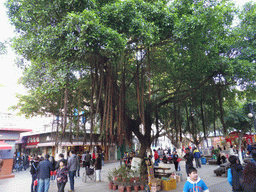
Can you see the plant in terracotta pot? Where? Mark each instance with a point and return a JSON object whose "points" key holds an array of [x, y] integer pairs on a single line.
{"points": [[121, 184], [110, 179], [128, 182], [136, 186], [115, 174]]}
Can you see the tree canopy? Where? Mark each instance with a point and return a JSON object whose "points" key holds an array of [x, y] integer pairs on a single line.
{"points": [[130, 63]]}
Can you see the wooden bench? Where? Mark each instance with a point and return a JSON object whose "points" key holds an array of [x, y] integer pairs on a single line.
{"points": [[223, 169], [212, 162]]}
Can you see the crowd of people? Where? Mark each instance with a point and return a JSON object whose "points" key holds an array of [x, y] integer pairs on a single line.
{"points": [[243, 178], [45, 169]]}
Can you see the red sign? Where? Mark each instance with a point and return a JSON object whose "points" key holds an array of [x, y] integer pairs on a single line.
{"points": [[33, 140]]}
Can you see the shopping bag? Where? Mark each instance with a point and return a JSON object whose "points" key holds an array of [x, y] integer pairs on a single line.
{"points": [[35, 182]]}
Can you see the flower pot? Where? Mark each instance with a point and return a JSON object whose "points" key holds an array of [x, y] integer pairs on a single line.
{"points": [[128, 188], [110, 185], [117, 177], [142, 187], [114, 186], [136, 188], [121, 188]]}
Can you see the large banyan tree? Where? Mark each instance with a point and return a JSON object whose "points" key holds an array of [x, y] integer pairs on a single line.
{"points": [[123, 60]]}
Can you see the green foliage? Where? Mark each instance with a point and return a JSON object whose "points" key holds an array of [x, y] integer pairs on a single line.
{"points": [[3, 49], [237, 118], [167, 63]]}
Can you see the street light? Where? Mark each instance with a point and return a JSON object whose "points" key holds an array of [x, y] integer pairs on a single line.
{"points": [[252, 114]]}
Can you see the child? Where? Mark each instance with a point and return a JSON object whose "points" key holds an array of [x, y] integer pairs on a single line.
{"points": [[62, 177], [235, 174], [194, 183]]}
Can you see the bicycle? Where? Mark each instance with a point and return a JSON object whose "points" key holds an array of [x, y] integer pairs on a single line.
{"points": [[90, 173]]}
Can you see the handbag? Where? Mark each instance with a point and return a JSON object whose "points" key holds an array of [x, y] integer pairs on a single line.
{"points": [[55, 172], [51, 173], [179, 159], [35, 182]]}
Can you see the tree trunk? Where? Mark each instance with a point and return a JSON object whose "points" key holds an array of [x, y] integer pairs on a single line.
{"points": [[65, 109], [221, 111], [202, 116], [239, 146]]}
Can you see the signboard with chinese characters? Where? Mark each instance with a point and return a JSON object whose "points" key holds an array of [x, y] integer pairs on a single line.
{"points": [[33, 140]]}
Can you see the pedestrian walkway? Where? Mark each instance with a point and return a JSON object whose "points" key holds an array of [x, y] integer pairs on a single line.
{"points": [[22, 181]]}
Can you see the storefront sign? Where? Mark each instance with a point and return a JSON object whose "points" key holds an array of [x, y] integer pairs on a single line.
{"points": [[33, 140]]}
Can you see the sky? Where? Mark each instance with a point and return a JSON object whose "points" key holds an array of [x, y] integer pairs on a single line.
{"points": [[9, 73]]}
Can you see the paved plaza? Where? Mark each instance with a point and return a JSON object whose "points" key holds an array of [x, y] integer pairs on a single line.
{"points": [[22, 181]]}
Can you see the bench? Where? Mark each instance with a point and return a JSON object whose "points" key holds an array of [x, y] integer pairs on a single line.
{"points": [[212, 162]]}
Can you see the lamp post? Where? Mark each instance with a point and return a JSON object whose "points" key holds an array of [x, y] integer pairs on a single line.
{"points": [[252, 115]]}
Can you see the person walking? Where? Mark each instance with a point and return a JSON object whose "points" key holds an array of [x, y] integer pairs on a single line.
{"points": [[156, 158], [62, 175], [189, 159], [78, 167], [197, 157], [249, 177], [93, 158], [83, 158], [98, 165], [53, 173], [61, 158], [235, 174], [87, 160], [175, 160], [33, 171], [43, 173], [102, 157], [72, 167]]}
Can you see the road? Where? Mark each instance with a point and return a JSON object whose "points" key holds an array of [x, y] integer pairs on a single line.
{"points": [[22, 181]]}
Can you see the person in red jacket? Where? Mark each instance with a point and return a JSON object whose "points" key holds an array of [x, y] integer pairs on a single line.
{"points": [[93, 157], [156, 157]]}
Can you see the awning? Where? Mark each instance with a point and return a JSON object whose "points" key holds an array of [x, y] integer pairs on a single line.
{"points": [[49, 144], [30, 146], [5, 146], [71, 144]]}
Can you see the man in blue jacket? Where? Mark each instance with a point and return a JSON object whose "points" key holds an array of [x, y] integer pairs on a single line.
{"points": [[43, 174], [197, 157]]}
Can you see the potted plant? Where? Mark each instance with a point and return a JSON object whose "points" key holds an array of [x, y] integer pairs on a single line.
{"points": [[110, 179], [115, 174], [136, 186]]}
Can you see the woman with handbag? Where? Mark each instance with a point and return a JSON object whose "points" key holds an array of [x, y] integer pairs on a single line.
{"points": [[33, 170], [62, 176]]}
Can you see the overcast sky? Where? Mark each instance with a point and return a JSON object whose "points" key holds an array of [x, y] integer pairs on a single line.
{"points": [[9, 73]]}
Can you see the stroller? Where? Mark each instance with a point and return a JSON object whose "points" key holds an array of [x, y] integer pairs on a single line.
{"points": [[88, 173]]}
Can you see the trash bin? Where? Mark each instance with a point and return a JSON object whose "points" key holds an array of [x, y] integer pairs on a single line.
{"points": [[203, 160]]}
